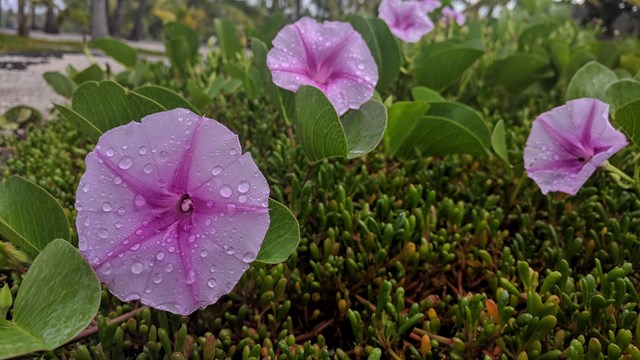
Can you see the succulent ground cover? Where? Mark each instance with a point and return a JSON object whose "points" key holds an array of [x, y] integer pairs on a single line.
{"points": [[410, 251]]}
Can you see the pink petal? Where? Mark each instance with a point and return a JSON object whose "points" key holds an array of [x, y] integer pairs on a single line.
{"points": [[407, 20], [568, 143], [430, 5], [323, 55], [130, 224]]}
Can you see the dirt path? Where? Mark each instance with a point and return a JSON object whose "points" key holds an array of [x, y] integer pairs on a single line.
{"points": [[27, 87]]}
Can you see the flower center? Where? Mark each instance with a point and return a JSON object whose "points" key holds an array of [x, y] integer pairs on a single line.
{"points": [[186, 204]]}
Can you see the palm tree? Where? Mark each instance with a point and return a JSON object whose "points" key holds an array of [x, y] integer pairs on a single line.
{"points": [[99, 23]]}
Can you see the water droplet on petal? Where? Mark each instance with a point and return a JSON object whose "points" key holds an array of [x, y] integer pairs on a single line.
{"points": [[204, 253], [142, 150], [118, 225], [86, 187], [148, 168], [212, 269], [242, 199], [225, 191], [168, 268], [103, 233], [106, 207], [172, 249], [121, 211], [117, 180], [211, 283], [233, 152], [148, 289], [160, 256], [110, 152], [106, 268], [249, 257], [157, 278], [243, 186], [162, 156], [231, 208], [216, 170], [125, 163], [139, 200], [191, 277], [137, 267], [135, 247]]}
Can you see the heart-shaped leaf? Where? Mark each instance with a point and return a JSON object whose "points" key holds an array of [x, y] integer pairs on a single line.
{"points": [[364, 128], [499, 141], [60, 83], [622, 92], [50, 309], [590, 81], [520, 70], [441, 64], [283, 235], [167, 98], [119, 51], [421, 93], [627, 117], [282, 99], [29, 216]]}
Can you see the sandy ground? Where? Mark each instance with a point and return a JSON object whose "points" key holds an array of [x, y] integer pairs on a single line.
{"points": [[27, 87]]}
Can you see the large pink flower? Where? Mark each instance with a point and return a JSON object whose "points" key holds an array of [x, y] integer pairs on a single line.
{"points": [[568, 143], [330, 56], [170, 211], [406, 19]]}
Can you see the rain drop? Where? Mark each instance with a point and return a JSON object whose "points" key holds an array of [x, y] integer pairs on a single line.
{"points": [[82, 245], [139, 232], [225, 191], [139, 200], [137, 267], [162, 156], [242, 199], [172, 249], [118, 225], [160, 256], [147, 290], [148, 168], [106, 268], [106, 207], [233, 152], [110, 152], [231, 208], [168, 268], [142, 150], [249, 257], [211, 283], [103, 233], [125, 163], [191, 277], [87, 221], [157, 278], [192, 238], [117, 180], [135, 247], [121, 211], [216, 170], [86, 187], [243, 187], [204, 253]]}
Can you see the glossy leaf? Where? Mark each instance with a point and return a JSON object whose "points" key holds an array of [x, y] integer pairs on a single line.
{"points": [[317, 125], [282, 237], [421, 93], [383, 46], [403, 115], [282, 99], [49, 309], [441, 64], [627, 119], [590, 81], [92, 73], [228, 38], [364, 128], [119, 51], [167, 98], [520, 70], [60, 83], [499, 141], [622, 92], [29, 216], [466, 117]]}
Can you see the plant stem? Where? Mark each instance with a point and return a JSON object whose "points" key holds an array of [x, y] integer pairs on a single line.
{"points": [[94, 329], [614, 170]]}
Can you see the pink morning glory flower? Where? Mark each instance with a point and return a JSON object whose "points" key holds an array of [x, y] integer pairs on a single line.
{"points": [[449, 15], [170, 211], [407, 20], [568, 143], [429, 5], [330, 56]]}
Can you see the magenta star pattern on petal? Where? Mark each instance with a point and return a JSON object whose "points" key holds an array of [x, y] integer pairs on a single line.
{"points": [[430, 5], [449, 15], [170, 211], [331, 56], [568, 143], [407, 20]]}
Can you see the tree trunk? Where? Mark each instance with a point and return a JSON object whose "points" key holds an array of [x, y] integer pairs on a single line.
{"points": [[136, 32], [99, 23], [23, 19], [115, 22], [51, 23], [32, 15]]}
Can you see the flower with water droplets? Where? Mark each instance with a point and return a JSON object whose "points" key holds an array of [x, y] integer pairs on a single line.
{"points": [[407, 20], [429, 5], [568, 143], [330, 56], [170, 211], [449, 15]]}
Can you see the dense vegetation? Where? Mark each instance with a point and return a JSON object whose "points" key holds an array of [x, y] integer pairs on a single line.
{"points": [[456, 256]]}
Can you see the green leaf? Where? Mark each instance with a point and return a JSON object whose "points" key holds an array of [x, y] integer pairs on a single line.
{"points": [[499, 141], [29, 216], [435, 133], [421, 93], [107, 105], [383, 46], [622, 92], [441, 64], [590, 81], [60, 83], [181, 43], [84, 125], [364, 128], [282, 237], [92, 73], [119, 51], [167, 98], [520, 70], [318, 127], [228, 38], [200, 98], [627, 117], [49, 309]]}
